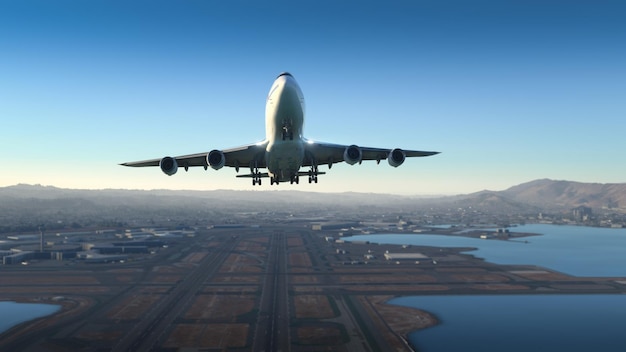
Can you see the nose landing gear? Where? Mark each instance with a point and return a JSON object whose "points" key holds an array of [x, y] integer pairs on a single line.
{"points": [[287, 130]]}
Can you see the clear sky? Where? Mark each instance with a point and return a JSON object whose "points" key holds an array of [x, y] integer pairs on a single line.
{"points": [[508, 91]]}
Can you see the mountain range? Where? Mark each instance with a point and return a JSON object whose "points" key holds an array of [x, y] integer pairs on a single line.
{"points": [[537, 195]]}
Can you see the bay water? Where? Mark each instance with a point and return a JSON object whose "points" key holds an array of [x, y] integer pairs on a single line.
{"points": [[556, 322]]}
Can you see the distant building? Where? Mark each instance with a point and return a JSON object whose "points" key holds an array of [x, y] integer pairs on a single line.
{"points": [[405, 256], [581, 213], [333, 225]]}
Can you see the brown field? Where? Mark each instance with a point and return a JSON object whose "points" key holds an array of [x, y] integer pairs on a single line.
{"points": [[54, 290], [253, 245], [542, 275], [356, 269], [301, 270], [319, 335], [586, 287], [231, 289], [308, 289], [498, 287], [402, 320], [154, 289], [241, 263], [46, 279], [124, 279], [166, 279], [264, 239], [241, 259], [299, 259], [295, 242], [248, 279], [208, 336], [378, 279], [132, 307], [313, 307], [304, 279], [480, 277], [126, 270], [195, 257], [460, 270], [223, 308], [169, 269], [99, 335], [396, 288]]}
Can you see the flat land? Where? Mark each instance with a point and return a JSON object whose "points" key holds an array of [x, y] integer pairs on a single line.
{"points": [[276, 287]]}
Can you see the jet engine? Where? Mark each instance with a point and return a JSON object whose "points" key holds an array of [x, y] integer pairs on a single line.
{"points": [[168, 165], [216, 159], [352, 155], [396, 157]]}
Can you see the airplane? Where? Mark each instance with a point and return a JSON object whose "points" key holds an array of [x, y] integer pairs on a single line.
{"points": [[284, 151]]}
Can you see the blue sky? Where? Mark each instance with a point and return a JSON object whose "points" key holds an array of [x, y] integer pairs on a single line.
{"points": [[508, 91]]}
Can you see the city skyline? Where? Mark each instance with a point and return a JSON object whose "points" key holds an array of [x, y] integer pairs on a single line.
{"points": [[508, 92]]}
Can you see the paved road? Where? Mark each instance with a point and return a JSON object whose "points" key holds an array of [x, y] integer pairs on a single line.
{"points": [[154, 327], [272, 329]]}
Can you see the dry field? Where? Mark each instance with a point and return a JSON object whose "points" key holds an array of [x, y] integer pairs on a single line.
{"points": [[398, 288], [295, 242], [300, 259], [482, 277], [54, 290], [304, 279], [33, 279], [222, 308], [133, 307], [208, 336], [242, 290], [237, 279], [241, 263], [165, 279], [313, 307], [382, 279], [168, 269], [195, 257], [322, 336], [401, 320]]}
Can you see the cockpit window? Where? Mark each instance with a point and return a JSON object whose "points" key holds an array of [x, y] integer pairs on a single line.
{"points": [[284, 74]]}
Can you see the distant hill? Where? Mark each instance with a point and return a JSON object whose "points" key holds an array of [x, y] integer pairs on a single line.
{"points": [[24, 201], [45, 200], [568, 194]]}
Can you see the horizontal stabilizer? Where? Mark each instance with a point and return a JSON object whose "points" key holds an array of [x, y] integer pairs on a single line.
{"points": [[261, 175]]}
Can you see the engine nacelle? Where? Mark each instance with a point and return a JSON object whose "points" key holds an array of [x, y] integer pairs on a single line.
{"points": [[352, 155], [216, 159], [396, 157], [168, 165]]}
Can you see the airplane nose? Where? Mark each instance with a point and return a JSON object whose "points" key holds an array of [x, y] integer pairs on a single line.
{"points": [[284, 74]]}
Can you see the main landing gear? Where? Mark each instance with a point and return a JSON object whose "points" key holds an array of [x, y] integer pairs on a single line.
{"points": [[256, 176], [313, 174]]}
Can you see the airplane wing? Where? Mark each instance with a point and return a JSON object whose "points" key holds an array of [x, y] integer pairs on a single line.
{"points": [[319, 153], [244, 156]]}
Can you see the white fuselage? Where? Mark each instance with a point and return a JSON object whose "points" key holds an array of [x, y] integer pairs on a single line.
{"points": [[284, 119]]}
